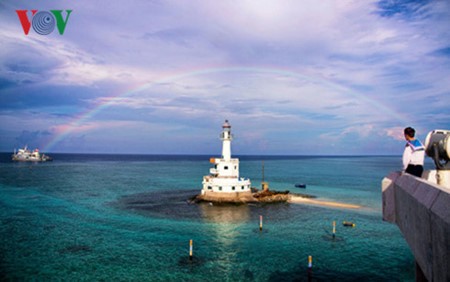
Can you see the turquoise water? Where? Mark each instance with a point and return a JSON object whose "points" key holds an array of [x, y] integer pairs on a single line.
{"points": [[94, 217]]}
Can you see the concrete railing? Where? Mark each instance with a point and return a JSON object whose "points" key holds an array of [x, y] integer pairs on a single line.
{"points": [[421, 210]]}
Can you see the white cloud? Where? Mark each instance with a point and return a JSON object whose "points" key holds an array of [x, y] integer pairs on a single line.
{"points": [[395, 133], [330, 68]]}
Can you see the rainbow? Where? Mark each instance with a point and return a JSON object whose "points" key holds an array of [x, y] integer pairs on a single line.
{"points": [[62, 131]]}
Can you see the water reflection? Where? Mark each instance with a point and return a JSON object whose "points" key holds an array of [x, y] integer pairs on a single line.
{"points": [[224, 213], [226, 222]]}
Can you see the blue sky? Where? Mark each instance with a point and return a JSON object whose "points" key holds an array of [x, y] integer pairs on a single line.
{"points": [[160, 77]]}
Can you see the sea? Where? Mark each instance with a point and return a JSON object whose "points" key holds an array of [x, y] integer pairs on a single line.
{"points": [[130, 218]]}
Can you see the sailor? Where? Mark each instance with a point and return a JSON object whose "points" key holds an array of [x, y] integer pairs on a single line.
{"points": [[414, 153]]}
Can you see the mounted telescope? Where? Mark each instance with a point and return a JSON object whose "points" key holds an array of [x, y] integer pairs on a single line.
{"points": [[437, 147]]}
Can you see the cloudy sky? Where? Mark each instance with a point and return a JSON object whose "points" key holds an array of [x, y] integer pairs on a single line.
{"points": [[160, 77]]}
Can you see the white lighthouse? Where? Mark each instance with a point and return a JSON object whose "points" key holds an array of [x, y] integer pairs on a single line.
{"points": [[223, 181]]}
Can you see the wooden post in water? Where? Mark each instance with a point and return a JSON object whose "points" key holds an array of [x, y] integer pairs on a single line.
{"points": [[334, 229], [190, 249], [260, 222], [309, 268]]}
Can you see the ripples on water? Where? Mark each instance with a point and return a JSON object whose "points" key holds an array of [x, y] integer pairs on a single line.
{"points": [[113, 218]]}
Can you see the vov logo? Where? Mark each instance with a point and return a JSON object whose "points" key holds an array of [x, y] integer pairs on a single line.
{"points": [[43, 22]]}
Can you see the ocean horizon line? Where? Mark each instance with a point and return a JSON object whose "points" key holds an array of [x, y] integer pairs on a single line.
{"points": [[214, 155]]}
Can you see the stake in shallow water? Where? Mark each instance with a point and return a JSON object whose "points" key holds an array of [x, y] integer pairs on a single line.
{"points": [[190, 249], [260, 222], [309, 268], [334, 229]]}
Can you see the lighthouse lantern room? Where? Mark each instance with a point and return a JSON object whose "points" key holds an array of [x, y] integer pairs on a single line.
{"points": [[224, 176]]}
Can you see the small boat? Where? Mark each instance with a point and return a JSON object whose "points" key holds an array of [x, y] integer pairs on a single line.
{"points": [[300, 185], [348, 224], [25, 155]]}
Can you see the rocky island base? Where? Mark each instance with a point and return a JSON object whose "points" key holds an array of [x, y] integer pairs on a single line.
{"points": [[267, 196], [253, 196]]}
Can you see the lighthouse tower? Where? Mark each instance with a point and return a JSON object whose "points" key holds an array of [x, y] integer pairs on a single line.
{"points": [[226, 141], [223, 180]]}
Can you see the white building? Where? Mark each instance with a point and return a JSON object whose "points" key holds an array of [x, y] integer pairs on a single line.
{"points": [[224, 178]]}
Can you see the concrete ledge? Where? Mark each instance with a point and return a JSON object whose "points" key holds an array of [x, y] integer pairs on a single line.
{"points": [[440, 237], [421, 210], [388, 197]]}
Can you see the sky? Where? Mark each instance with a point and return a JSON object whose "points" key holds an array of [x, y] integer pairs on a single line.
{"points": [[329, 77]]}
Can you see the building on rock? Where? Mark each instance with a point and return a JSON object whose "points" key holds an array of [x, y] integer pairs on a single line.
{"points": [[223, 183]]}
